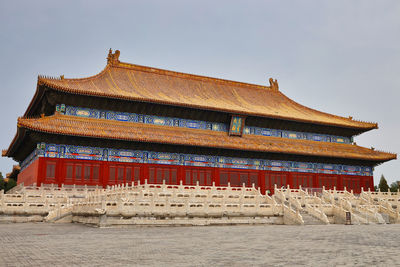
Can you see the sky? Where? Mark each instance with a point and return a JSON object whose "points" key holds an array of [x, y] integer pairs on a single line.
{"points": [[341, 57]]}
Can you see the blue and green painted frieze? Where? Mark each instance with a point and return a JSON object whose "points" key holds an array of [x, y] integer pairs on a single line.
{"points": [[195, 124], [135, 156]]}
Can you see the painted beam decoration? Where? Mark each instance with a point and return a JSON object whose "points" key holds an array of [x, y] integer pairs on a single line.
{"points": [[237, 125], [135, 156], [195, 124]]}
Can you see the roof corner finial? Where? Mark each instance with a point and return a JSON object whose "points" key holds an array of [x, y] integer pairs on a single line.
{"points": [[273, 84], [61, 77], [113, 58], [350, 117]]}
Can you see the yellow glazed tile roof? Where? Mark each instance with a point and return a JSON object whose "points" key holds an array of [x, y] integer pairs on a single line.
{"points": [[108, 129], [139, 83]]}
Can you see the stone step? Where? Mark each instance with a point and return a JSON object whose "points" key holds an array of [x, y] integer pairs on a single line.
{"points": [[385, 217], [310, 220]]}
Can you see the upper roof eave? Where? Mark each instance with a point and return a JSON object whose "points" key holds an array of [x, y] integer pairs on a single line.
{"points": [[208, 94]]}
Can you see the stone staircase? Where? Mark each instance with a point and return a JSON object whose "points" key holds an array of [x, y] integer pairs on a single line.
{"points": [[60, 214], [310, 220], [385, 217], [307, 218]]}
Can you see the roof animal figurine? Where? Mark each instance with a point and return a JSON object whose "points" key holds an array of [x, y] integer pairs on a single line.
{"points": [[273, 84], [113, 57]]}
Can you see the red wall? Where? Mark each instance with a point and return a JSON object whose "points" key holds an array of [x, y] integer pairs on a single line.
{"points": [[80, 172], [30, 174]]}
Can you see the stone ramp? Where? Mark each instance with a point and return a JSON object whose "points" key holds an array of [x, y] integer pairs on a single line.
{"points": [[61, 214], [310, 220]]}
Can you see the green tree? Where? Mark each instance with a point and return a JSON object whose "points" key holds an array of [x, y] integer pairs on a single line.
{"points": [[394, 186], [2, 183], [383, 185], [10, 184]]}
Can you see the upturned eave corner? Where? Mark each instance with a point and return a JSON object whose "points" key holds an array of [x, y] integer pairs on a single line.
{"points": [[4, 152]]}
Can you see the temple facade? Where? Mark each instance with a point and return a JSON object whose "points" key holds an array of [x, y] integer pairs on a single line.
{"points": [[132, 123]]}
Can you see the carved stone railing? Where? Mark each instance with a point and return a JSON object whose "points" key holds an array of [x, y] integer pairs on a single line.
{"points": [[181, 201], [161, 201], [168, 208]]}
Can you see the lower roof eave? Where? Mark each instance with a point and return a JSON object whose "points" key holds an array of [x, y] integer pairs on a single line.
{"points": [[368, 161]]}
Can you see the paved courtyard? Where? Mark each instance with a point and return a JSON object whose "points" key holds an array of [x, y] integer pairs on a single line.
{"points": [[39, 244]]}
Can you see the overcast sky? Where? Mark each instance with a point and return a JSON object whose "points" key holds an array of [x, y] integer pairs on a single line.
{"points": [[341, 57]]}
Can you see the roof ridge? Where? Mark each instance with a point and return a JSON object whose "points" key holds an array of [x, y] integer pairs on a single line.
{"points": [[113, 60], [118, 64], [188, 75]]}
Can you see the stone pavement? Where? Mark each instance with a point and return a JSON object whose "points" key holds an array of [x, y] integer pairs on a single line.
{"points": [[40, 244]]}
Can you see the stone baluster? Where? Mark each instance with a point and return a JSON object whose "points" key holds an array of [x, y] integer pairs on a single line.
{"points": [[163, 186], [152, 205], [224, 209], [103, 203], [241, 196], [119, 204], [197, 188]]}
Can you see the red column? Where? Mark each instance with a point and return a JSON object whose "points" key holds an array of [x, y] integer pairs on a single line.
{"points": [[59, 171], [315, 180], [340, 182], [216, 176], [290, 180], [146, 175], [261, 181], [181, 174], [41, 171], [371, 183]]}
